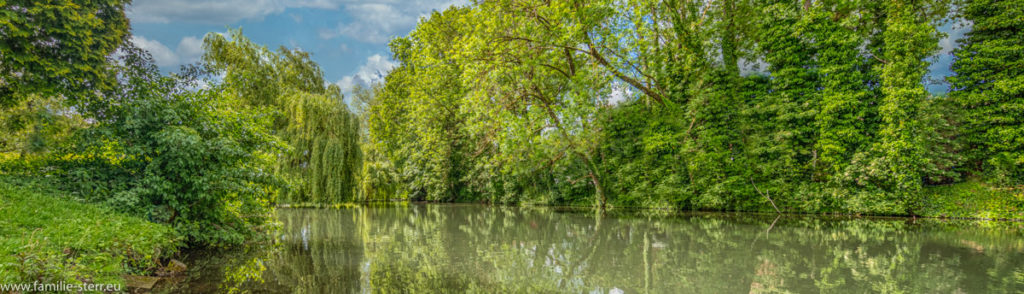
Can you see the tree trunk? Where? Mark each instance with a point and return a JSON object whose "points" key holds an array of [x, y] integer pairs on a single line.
{"points": [[591, 166], [597, 187]]}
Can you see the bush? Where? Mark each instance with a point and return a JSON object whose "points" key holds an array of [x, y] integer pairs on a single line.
{"points": [[173, 154]]}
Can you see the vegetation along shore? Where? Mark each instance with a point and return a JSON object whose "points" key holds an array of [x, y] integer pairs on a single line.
{"points": [[110, 167]]}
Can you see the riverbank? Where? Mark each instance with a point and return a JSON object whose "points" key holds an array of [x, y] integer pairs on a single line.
{"points": [[969, 200], [46, 237], [973, 199]]}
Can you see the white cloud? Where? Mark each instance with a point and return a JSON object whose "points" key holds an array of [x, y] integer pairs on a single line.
{"points": [[201, 11], [230, 11], [620, 93], [373, 23], [189, 50], [162, 55], [957, 32], [377, 22], [346, 83], [373, 71]]}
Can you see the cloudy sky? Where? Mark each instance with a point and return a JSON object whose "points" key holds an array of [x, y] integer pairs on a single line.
{"points": [[348, 38]]}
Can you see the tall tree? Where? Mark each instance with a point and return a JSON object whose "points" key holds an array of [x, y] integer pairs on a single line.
{"points": [[428, 85], [909, 39], [324, 160], [788, 151], [534, 70], [846, 102], [989, 87]]}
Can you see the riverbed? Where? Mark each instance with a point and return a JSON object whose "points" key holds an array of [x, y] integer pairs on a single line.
{"points": [[429, 248]]}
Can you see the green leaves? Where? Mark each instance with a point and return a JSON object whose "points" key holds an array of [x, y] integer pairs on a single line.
{"points": [[58, 47], [171, 154], [510, 100], [989, 87], [323, 160]]}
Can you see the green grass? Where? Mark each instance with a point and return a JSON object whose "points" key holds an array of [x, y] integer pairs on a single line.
{"points": [[973, 199], [49, 238]]}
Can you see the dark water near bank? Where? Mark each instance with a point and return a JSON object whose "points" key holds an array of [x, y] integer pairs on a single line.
{"points": [[473, 248]]}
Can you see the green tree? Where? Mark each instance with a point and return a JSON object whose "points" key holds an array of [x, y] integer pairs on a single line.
{"points": [[37, 125], [909, 39], [536, 87], [173, 155], [989, 87], [323, 162], [846, 102], [787, 151], [58, 47]]}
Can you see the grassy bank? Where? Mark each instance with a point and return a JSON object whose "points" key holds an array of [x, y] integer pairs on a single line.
{"points": [[46, 237], [973, 199]]}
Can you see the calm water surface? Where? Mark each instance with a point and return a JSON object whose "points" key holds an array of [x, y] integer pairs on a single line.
{"points": [[475, 248]]}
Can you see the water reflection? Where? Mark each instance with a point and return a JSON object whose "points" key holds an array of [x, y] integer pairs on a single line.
{"points": [[459, 248]]}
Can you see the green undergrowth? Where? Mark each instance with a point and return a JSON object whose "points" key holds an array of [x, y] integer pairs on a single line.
{"points": [[49, 238], [319, 205], [343, 204], [973, 199]]}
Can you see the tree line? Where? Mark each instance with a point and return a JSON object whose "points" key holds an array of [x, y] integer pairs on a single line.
{"points": [[650, 103], [816, 106]]}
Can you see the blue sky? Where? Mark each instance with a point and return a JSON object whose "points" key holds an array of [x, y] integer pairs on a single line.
{"points": [[348, 38]]}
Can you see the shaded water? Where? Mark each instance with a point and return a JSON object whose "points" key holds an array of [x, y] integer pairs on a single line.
{"points": [[475, 248]]}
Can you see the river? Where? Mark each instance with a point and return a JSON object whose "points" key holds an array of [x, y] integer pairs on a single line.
{"points": [[429, 248]]}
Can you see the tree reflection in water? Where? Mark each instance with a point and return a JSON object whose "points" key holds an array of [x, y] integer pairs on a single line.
{"points": [[493, 249]]}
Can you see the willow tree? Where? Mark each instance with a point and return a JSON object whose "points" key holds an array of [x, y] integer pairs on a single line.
{"points": [[324, 160], [989, 86]]}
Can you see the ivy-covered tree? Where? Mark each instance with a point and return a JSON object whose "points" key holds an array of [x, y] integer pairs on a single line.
{"points": [[909, 39], [787, 112], [846, 102], [989, 87]]}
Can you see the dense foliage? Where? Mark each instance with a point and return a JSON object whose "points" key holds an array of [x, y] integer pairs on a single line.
{"points": [[58, 47], [803, 105], [730, 104], [324, 159], [207, 156], [784, 105], [174, 155], [989, 86]]}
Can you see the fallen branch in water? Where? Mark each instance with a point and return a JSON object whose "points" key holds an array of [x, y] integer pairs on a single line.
{"points": [[766, 196]]}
